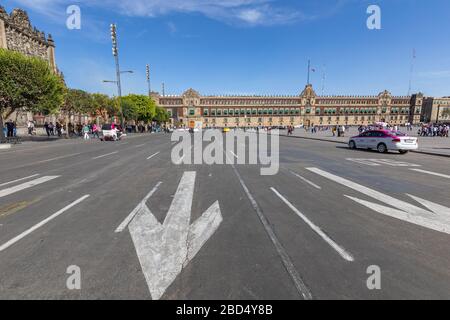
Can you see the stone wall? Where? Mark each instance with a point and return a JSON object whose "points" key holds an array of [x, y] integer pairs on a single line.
{"points": [[17, 34]]}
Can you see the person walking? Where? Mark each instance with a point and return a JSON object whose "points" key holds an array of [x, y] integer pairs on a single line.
{"points": [[86, 130], [47, 129], [10, 129], [30, 126], [59, 129], [95, 130]]}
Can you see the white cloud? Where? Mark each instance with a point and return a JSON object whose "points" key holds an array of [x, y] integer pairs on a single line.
{"points": [[247, 12]]}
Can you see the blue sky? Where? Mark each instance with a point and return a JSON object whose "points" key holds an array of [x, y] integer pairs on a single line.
{"points": [[251, 46]]}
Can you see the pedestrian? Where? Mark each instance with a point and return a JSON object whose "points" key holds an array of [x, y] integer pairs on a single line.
{"points": [[86, 130], [59, 129], [30, 126], [47, 129], [10, 129], [95, 130]]}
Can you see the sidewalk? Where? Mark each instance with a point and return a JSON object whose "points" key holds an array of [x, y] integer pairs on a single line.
{"points": [[427, 145]]}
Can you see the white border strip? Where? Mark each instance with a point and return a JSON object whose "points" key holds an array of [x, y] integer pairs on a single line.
{"points": [[154, 155], [130, 217], [18, 180], [306, 180], [40, 224], [105, 155], [432, 173], [342, 252]]}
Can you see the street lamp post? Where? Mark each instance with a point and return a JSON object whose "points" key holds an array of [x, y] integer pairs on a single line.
{"points": [[148, 81], [115, 53]]}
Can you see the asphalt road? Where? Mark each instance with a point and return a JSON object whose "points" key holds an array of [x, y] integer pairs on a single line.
{"points": [[311, 231]]}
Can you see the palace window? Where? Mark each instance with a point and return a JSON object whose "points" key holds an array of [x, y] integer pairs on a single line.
{"points": [[213, 112], [318, 111], [205, 112]]}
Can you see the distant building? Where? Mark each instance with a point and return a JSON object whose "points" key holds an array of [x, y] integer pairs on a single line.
{"points": [[307, 109], [17, 34], [436, 110]]}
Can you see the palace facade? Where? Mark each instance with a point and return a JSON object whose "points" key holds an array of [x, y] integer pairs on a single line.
{"points": [[306, 109]]}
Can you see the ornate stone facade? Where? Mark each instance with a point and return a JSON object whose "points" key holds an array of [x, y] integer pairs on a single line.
{"points": [[17, 34], [307, 109]]}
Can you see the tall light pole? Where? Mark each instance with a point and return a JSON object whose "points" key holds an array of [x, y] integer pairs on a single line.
{"points": [[115, 53], [148, 81]]}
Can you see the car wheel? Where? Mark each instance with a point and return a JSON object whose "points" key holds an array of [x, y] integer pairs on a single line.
{"points": [[352, 144], [382, 148], [403, 151]]}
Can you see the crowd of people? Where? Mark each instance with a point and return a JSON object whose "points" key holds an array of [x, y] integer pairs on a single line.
{"points": [[434, 130]]}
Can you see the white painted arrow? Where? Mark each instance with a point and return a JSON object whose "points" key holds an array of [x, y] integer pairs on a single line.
{"points": [[437, 217], [164, 250]]}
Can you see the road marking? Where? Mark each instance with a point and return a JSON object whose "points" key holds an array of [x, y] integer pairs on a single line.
{"points": [[105, 155], [133, 213], [18, 180], [438, 218], [306, 180], [40, 224], [286, 260], [378, 162], [153, 155], [366, 162], [342, 252], [57, 158], [26, 185], [432, 173], [234, 154], [140, 145], [164, 250]]}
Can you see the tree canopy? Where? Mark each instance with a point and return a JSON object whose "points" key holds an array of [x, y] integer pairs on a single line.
{"points": [[27, 84]]}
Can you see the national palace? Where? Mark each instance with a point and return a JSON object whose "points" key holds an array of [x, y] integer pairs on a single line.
{"points": [[306, 109]]}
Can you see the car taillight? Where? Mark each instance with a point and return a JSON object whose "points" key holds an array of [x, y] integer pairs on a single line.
{"points": [[396, 140]]}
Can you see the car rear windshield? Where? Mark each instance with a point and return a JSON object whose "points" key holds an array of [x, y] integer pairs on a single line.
{"points": [[398, 134]]}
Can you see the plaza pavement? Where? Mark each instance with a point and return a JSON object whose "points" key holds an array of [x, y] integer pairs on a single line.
{"points": [[311, 231]]}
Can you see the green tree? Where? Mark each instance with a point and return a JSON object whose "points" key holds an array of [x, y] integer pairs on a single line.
{"points": [[77, 102], [104, 106], [161, 116], [27, 84], [138, 108]]}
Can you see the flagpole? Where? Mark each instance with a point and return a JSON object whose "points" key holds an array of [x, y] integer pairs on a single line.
{"points": [[309, 70], [411, 72]]}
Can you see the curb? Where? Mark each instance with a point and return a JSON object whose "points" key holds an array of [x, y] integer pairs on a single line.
{"points": [[342, 142]]}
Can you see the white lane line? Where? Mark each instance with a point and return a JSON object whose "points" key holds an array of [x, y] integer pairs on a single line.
{"points": [[300, 285], [21, 179], [432, 173], [370, 192], [105, 155], [130, 217], [306, 180], [153, 155], [26, 185], [342, 252], [366, 162], [57, 158], [234, 154], [40, 224]]}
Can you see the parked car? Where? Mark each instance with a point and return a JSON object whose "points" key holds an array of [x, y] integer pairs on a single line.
{"points": [[384, 141]]}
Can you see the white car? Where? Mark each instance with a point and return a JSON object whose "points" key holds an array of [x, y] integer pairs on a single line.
{"points": [[384, 141]]}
